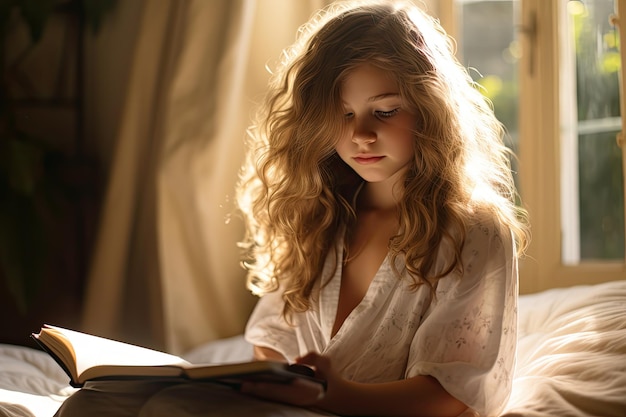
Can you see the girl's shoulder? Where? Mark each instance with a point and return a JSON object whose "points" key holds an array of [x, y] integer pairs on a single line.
{"points": [[483, 225]]}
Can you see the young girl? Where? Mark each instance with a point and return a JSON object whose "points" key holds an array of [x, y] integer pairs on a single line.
{"points": [[383, 233], [382, 227]]}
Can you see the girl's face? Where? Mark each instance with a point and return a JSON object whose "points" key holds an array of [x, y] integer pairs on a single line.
{"points": [[378, 138]]}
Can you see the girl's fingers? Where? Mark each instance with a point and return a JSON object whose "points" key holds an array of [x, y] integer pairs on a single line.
{"points": [[320, 363], [299, 392]]}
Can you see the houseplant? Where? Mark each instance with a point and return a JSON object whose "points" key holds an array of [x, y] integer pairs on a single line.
{"points": [[33, 187]]}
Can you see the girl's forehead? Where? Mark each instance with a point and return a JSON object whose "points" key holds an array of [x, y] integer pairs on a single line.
{"points": [[368, 83]]}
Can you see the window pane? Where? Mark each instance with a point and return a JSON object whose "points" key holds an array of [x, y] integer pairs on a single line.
{"points": [[491, 55], [592, 180]]}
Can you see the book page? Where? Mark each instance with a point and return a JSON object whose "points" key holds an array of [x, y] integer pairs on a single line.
{"points": [[86, 357], [91, 351]]}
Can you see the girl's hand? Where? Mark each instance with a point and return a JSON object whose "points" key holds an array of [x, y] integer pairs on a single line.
{"points": [[300, 392], [418, 395]]}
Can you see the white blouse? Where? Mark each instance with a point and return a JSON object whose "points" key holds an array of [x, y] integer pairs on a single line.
{"points": [[465, 336]]}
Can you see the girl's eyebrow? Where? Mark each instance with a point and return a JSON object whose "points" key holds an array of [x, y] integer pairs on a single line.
{"points": [[382, 96]]}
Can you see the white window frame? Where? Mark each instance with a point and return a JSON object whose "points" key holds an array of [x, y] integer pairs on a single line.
{"points": [[541, 162]]}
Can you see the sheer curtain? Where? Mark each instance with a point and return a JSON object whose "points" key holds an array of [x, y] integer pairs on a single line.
{"points": [[165, 268], [172, 85]]}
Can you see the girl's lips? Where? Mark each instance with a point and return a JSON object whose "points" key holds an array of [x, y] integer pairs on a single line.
{"points": [[366, 160]]}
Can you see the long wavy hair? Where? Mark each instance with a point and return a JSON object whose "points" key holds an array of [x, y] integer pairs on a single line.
{"points": [[294, 190]]}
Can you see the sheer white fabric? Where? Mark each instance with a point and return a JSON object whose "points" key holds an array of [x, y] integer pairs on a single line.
{"points": [[465, 336], [176, 83]]}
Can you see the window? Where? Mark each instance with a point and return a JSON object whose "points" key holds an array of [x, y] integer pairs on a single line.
{"points": [[551, 69], [492, 56], [592, 200]]}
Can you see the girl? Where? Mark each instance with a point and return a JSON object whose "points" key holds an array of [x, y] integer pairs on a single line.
{"points": [[382, 228], [383, 233]]}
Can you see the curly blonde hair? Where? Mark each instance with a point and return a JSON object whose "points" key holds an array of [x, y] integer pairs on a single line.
{"points": [[295, 191]]}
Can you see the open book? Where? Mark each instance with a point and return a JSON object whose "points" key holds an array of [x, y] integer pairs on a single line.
{"points": [[84, 357]]}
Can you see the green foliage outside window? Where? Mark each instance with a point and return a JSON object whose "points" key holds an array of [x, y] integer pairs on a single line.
{"points": [[600, 158]]}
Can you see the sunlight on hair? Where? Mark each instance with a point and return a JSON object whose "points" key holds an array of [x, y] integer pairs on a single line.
{"points": [[262, 280], [295, 193]]}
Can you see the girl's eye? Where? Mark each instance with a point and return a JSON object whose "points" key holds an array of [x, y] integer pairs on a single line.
{"points": [[348, 115], [384, 114]]}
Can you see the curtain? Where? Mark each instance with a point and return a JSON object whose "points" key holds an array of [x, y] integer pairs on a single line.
{"points": [[165, 266], [173, 85]]}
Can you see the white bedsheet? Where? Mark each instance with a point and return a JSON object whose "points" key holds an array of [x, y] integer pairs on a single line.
{"points": [[571, 359], [571, 353], [31, 383]]}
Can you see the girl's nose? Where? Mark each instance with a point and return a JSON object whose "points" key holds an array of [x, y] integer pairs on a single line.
{"points": [[363, 134], [366, 138]]}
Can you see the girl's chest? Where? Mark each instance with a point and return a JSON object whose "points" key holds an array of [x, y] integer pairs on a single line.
{"points": [[379, 329], [364, 254]]}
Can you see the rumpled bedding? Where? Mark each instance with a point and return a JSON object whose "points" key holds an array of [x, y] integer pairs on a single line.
{"points": [[31, 383], [571, 359]]}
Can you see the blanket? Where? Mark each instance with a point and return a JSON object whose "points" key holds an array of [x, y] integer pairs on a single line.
{"points": [[571, 359]]}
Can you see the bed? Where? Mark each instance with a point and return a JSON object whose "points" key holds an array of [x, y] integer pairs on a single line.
{"points": [[571, 359]]}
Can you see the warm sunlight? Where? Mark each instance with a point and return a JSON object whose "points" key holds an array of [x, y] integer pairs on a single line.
{"points": [[206, 183]]}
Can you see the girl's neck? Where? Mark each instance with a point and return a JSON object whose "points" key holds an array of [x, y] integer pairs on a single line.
{"points": [[377, 196]]}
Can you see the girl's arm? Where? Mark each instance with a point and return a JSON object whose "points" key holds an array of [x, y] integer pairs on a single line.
{"points": [[267, 354], [416, 396]]}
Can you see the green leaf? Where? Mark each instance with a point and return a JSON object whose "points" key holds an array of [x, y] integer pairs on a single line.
{"points": [[94, 12], [6, 7], [22, 248], [35, 13], [24, 165]]}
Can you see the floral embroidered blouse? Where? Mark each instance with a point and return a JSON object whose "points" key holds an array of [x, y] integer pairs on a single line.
{"points": [[465, 336]]}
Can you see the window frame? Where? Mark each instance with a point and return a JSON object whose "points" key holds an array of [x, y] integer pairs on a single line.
{"points": [[539, 155]]}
